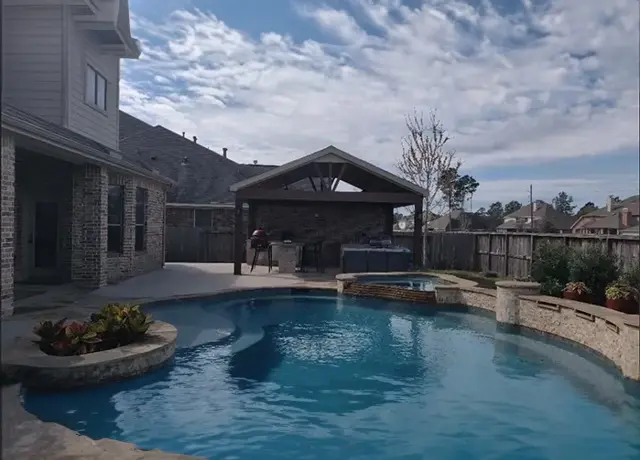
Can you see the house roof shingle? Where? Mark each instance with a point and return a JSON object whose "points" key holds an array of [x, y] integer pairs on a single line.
{"points": [[14, 118], [545, 212], [605, 219], [206, 176]]}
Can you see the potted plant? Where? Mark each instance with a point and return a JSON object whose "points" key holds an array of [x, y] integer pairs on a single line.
{"points": [[578, 291], [620, 297]]}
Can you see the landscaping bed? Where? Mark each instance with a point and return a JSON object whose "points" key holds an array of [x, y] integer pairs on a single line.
{"points": [[590, 275], [112, 327]]}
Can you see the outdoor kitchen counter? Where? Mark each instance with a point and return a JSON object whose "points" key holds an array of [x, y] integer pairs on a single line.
{"points": [[362, 258], [276, 251]]}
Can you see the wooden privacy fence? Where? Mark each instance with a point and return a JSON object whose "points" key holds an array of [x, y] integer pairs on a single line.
{"points": [[510, 254], [507, 254], [188, 244]]}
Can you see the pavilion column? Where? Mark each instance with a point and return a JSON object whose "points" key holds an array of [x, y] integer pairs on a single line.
{"points": [[388, 221], [251, 225], [239, 239], [417, 236]]}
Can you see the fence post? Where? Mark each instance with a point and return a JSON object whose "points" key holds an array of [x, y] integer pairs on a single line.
{"points": [[506, 255], [532, 250], [490, 255], [474, 252]]}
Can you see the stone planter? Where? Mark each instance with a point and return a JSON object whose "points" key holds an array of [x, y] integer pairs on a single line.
{"points": [[26, 363]]}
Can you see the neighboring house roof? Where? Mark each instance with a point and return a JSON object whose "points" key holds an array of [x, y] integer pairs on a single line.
{"points": [[544, 213], [326, 152], [632, 203], [27, 124], [634, 231]]}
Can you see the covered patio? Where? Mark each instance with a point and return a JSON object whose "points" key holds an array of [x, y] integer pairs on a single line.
{"points": [[329, 196]]}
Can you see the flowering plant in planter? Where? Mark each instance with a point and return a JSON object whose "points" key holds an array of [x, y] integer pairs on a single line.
{"points": [[576, 290], [114, 326], [621, 297]]}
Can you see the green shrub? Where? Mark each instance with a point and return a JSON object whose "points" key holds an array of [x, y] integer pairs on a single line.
{"points": [[552, 287], [631, 275], [550, 267], [596, 268], [619, 290]]}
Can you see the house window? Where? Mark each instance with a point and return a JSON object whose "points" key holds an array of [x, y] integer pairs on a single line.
{"points": [[115, 221], [141, 219], [96, 89], [203, 218]]}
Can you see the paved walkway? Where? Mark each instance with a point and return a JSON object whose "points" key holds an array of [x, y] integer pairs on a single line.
{"points": [[176, 279]]}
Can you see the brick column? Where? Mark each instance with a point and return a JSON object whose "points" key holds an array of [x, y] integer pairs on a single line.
{"points": [[129, 242], [89, 226], [7, 214]]}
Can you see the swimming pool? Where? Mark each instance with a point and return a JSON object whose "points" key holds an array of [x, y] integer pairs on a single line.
{"points": [[310, 376], [414, 282]]}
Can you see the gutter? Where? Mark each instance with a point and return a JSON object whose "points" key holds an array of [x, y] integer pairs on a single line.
{"points": [[79, 149], [204, 205]]}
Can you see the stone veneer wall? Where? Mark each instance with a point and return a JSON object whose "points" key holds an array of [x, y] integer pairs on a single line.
{"points": [[131, 262], [7, 230], [612, 334]]}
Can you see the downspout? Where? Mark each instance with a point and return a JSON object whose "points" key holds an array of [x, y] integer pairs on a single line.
{"points": [[164, 229]]}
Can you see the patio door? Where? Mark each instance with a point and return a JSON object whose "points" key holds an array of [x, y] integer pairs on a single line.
{"points": [[45, 239]]}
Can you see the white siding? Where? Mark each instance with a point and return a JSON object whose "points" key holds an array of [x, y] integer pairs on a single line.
{"points": [[84, 119], [32, 72]]}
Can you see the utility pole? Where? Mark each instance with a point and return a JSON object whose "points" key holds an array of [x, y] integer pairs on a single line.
{"points": [[531, 205]]}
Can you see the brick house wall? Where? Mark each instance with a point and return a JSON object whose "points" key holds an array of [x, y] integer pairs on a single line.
{"points": [[131, 262], [81, 193], [7, 229]]}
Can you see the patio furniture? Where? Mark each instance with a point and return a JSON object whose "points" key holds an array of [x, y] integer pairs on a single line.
{"points": [[358, 258], [312, 256], [260, 244]]}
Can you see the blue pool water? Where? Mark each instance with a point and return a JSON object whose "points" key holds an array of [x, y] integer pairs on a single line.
{"points": [[324, 377], [418, 283]]}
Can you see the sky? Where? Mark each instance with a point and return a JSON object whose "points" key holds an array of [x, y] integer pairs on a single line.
{"points": [[531, 92]]}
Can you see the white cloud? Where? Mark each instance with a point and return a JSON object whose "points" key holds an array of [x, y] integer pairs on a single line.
{"points": [[506, 101]]}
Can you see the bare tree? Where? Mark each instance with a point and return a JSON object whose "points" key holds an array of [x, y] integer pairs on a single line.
{"points": [[425, 157]]}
